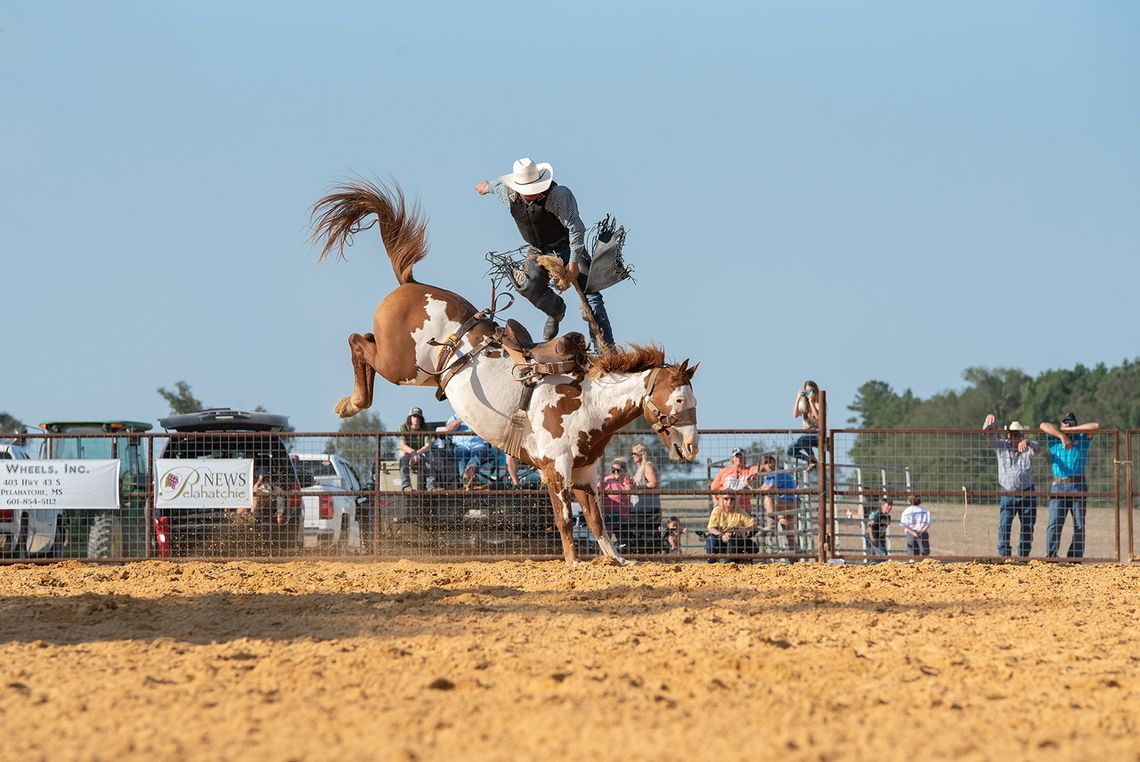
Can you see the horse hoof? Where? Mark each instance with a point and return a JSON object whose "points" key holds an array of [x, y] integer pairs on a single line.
{"points": [[345, 408], [626, 561]]}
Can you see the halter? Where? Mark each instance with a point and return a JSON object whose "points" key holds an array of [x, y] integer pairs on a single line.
{"points": [[662, 422]]}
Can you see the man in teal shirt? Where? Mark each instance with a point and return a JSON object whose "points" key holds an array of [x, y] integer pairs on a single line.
{"points": [[1068, 455]]}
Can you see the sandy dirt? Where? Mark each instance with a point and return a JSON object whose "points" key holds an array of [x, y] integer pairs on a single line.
{"points": [[522, 660]]}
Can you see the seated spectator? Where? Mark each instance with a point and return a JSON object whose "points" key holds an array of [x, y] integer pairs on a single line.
{"points": [[739, 476], [916, 520], [470, 450], [415, 450], [878, 520], [779, 506], [728, 531], [615, 498], [674, 534]]}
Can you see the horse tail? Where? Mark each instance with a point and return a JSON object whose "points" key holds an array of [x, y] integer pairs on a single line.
{"points": [[403, 228]]}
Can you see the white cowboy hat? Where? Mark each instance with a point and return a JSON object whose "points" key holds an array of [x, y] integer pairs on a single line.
{"points": [[529, 178], [1016, 426]]}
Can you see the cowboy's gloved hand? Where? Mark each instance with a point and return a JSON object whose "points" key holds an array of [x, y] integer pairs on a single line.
{"points": [[572, 270]]}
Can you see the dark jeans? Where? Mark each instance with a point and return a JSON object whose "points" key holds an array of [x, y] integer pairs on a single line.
{"points": [[539, 293], [1025, 508], [801, 449], [1063, 498], [918, 546], [427, 471], [878, 544], [735, 544]]}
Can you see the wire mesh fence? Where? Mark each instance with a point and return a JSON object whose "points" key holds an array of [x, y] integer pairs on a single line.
{"points": [[754, 494]]}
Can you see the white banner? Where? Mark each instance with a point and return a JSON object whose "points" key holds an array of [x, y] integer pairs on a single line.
{"points": [[203, 483], [66, 484]]}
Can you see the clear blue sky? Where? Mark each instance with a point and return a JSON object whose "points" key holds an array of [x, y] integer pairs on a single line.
{"points": [[835, 191]]}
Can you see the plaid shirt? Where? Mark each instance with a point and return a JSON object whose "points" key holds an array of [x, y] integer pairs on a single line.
{"points": [[560, 202]]}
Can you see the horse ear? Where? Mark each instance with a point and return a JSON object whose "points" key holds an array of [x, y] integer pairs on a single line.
{"points": [[689, 373], [684, 366]]}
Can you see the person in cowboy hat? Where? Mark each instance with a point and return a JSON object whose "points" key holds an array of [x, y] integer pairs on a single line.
{"points": [[546, 214], [1015, 475]]}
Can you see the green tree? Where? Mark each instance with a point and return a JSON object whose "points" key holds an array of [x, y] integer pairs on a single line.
{"points": [[181, 400], [360, 451], [10, 424]]}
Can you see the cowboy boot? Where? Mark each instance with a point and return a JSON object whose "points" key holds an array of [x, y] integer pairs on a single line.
{"points": [[550, 330]]}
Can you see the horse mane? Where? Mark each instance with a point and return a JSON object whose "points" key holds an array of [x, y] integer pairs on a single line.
{"points": [[634, 360], [403, 228]]}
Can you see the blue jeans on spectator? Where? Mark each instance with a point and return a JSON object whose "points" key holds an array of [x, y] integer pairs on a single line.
{"points": [[427, 472], [470, 455], [1025, 508], [801, 449], [735, 544], [878, 541], [918, 545], [1065, 497]]}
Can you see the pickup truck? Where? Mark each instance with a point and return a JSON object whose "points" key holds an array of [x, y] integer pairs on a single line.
{"points": [[331, 520], [40, 532]]}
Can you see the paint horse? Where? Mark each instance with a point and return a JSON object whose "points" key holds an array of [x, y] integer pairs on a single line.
{"points": [[427, 336]]}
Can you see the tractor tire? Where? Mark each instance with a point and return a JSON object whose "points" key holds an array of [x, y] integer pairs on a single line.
{"points": [[101, 536]]}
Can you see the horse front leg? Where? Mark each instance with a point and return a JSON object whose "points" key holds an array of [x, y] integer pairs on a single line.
{"points": [[589, 502], [363, 350], [563, 514]]}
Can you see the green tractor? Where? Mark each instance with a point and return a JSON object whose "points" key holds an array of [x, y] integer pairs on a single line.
{"points": [[108, 533]]}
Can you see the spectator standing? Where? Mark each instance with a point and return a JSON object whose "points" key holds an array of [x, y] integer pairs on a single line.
{"points": [[645, 504], [728, 530], [615, 499], [1068, 456], [470, 450], [916, 520], [739, 476], [806, 407], [1015, 474], [779, 506], [878, 521], [415, 450]]}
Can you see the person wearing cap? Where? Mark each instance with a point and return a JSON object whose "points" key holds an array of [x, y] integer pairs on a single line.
{"points": [[415, 450], [735, 476], [547, 217], [731, 522], [878, 521], [1015, 475], [1068, 445]]}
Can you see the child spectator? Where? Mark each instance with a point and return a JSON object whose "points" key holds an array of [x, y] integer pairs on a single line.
{"points": [[916, 521], [877, 522], [674, 533]]}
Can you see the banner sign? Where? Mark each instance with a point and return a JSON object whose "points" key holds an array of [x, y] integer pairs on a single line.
{"points": [[203, 483], [60, 484]]}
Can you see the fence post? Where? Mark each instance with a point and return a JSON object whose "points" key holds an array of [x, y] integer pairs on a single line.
{"points": [[822, 466]]}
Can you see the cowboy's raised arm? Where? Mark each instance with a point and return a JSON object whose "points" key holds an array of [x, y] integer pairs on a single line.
{"points": [[495, 187]]}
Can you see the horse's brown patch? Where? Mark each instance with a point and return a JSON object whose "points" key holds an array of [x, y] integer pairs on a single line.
{"points": [[570, 399], [592, 443]]}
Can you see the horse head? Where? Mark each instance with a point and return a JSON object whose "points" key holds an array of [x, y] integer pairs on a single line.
{"points": [[670, 407]]}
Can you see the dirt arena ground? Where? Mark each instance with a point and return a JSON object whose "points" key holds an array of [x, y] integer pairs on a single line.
{"points": [[521, 660]]}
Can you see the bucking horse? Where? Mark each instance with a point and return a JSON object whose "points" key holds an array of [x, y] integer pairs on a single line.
{"points": [[549, 404]]}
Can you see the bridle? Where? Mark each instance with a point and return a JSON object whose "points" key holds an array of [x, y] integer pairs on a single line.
{"points": [[663, 422]]}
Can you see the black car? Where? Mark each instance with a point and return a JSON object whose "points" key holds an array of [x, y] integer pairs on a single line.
{"points": [[275, 526]]}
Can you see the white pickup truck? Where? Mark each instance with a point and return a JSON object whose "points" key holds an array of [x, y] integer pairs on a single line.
{"points": [[330, 520], [40, 532]]}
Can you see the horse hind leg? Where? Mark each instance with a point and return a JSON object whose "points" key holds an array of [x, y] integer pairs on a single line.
{"points": [[589, 502], [363, 350]]}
